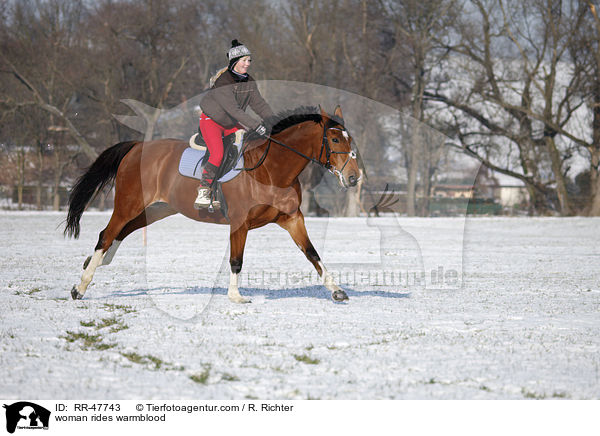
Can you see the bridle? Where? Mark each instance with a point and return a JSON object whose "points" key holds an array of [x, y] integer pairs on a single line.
{"points": [[325, 147], [328, 152]]}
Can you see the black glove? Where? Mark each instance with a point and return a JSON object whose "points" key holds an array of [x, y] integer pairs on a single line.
{"points": [[261, 130]]}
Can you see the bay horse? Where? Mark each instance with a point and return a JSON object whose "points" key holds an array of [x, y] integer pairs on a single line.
{"points": [[148, 187]]}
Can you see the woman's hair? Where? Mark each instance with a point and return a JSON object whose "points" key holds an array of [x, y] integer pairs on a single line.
{"points": [[214, 78]]}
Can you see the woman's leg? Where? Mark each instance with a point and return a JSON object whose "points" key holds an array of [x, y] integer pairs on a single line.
{"points": [[213, 136]]}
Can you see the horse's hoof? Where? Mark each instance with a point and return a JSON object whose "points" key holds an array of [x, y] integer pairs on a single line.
{"points": [[339, 295], [87, 262], [75, 293], [240, 300]]}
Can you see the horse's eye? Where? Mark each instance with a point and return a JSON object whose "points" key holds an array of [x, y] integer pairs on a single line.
{"points": [[335, 140]]}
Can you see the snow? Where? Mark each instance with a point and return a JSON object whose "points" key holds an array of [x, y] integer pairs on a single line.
{"points": [[520, 320]]}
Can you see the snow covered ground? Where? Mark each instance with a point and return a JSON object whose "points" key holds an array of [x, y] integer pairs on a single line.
{"points": [[510, 311]]}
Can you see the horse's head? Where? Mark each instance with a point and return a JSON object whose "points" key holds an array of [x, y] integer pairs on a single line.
{"points": [[336, 151]]}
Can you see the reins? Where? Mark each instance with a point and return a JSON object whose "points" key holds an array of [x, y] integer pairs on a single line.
{"points": [[324, 146]]}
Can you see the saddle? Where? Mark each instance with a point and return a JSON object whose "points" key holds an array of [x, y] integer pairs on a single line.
{"points": [[196, 156]]}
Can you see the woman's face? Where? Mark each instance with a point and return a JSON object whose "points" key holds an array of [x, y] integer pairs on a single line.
{"points": [[242, 65]]}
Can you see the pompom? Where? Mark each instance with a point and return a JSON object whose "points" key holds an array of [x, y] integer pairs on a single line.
{"points": [[235, 43]]}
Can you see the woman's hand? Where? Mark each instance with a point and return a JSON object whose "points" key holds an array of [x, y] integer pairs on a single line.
{"points": [[261, 130]]}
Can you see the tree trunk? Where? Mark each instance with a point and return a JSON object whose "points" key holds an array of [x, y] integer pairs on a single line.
{"points": [[594, 150], [40, 180], [594, 147], [21, 177], [411, 184], [538, 201], [413, 154], [561, 186], [426, 184], [595, 201], [58, 170]]}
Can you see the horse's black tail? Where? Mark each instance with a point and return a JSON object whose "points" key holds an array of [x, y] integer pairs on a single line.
{"points": [[98, 175]]}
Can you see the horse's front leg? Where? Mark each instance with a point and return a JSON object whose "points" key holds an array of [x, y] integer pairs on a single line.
{"points": [[237, 242], [294, 224]]}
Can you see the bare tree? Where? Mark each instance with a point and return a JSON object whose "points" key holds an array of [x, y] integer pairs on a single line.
{"points": [[517, 96], [46, 33], [421, 25], [587, 53]]}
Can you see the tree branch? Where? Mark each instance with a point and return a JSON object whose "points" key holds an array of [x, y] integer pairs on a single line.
{"points": [[42, 103]]}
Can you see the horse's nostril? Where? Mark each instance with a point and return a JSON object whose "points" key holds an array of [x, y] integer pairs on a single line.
{"points": [[352, 180]]}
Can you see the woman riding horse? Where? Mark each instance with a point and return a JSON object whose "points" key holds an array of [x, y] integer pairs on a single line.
{"points": [[232, 91], [148, 187]]}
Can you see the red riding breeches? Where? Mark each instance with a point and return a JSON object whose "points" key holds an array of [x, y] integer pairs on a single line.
{"points": [[213, 135]]}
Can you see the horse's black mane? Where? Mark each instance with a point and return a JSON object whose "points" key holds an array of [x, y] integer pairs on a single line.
{"points": [[290, 117]]}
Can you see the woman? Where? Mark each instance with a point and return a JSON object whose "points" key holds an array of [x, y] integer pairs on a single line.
{"points": [[232, 91]]}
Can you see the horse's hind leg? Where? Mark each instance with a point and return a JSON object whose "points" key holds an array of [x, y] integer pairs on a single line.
{"points": [[294, 224], [151, 214], [105, 239], [106, 249], [90, 265]]}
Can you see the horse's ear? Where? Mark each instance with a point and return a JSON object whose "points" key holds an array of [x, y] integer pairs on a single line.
{"points": [[338, 112], [323, 113]]}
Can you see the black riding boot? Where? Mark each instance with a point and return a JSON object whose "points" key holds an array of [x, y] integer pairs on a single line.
{"points": [[204, 191]]}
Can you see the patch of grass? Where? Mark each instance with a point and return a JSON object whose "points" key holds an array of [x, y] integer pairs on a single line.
{"points": [[115, 324], [201, 377], [107, 322], [432, 381], [380, 342], [485, 388], [89, 341], [30, 292], [114, 307], [560, 394], [119, 327], [103, 346], [133, 357], [229, 377], [156, 361], [532, 395], [153, 362], [306, 359]]}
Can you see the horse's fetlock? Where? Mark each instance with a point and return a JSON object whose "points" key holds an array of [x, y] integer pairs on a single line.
{"points": [[236, 265]]}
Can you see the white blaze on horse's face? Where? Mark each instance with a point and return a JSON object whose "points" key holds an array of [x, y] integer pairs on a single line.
{"points": [[343, 158]]}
